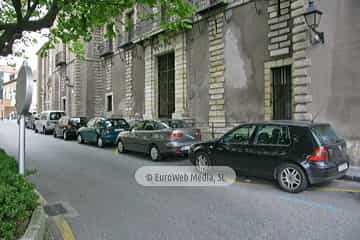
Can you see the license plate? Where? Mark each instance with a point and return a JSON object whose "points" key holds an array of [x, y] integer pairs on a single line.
{"points": [[186, 148], [342, 167]]}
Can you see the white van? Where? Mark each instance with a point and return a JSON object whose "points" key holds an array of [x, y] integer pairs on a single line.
{"points": [[47, 121]]}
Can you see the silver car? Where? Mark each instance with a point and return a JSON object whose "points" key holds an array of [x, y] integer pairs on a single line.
{"points": [[47, 121], [158, 138]]}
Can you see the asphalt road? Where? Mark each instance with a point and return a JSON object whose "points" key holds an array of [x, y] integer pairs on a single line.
{"points": [[100, 186]]}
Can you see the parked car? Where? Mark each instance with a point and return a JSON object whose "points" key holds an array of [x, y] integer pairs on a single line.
{"points": [[67, 127], [158, 138], [47, 121], [295, 154], [102, 130], [30, 123], [28, 118]]}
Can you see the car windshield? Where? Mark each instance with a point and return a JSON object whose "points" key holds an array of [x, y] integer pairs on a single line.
{"points": [[116, 123], [176, 123], [78, 121], [56, 115], [326, 134]]}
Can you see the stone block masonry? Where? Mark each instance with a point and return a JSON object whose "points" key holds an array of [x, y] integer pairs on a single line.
{"points": [[129, 95], [99, 91], [217, 72], [288, 37], [301, 78], [279, 25]]}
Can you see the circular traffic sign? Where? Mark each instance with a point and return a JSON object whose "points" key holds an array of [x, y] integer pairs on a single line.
{"points": [[24, 88]]}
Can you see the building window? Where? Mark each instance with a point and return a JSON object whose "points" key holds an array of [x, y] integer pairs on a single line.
{"points": [[109, 103], [281, 93], [166, 85], [64, 104]]}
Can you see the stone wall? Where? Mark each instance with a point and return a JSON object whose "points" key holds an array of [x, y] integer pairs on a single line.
{"points": [[198, 74], [246, 51]]}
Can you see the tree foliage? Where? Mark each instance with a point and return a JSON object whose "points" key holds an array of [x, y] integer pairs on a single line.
{"points": [[73, 21]]}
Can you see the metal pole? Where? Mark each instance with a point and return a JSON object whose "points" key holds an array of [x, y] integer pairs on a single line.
{"points": [[22, 145], [212, 130]]}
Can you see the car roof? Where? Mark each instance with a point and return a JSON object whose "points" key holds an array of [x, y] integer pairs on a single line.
{"points": [[290, 123], [50, 111]]}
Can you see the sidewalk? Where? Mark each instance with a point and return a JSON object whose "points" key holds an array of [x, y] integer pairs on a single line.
{"points": [[353, 174]]}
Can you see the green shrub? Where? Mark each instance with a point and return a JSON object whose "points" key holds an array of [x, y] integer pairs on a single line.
{"points": [[17, 199]]}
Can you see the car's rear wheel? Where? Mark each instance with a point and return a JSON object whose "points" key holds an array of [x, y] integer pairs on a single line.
{"points": [[291, 178], [79, 139], [36, 131], [155, 153], [100, 142], [65, 136], [202, 161], [55, 135], [121, 147]]}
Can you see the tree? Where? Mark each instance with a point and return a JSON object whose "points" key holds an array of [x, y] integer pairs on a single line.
{"points": [[74, 21]]}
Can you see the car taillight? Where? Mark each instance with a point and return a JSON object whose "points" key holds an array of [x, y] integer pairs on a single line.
{"points": [[176, 135], [107, 130], [320, 154]]}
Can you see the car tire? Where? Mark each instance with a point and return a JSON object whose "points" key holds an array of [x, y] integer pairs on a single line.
{"points": [[291, 178], [202, 161], [79, 139], [36, 131], [65, 136], [44, 131], [154, 153], [55, 136], [100, 142], [121, 147]]}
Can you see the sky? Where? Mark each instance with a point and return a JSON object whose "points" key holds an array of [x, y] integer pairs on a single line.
{"points": [[30, 52]]}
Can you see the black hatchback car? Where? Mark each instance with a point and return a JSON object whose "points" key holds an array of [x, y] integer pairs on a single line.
{"points": [[67, 127], [296, 154]]}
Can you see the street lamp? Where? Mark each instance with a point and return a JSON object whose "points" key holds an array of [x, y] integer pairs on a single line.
{"points": [[312, 18]]}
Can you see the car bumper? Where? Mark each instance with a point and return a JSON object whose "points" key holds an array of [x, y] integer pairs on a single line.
{"points": [[109, 139], [319, 175], [50, 127], [179, 149], [71, 132]]}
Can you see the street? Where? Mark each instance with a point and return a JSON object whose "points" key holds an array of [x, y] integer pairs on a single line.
{"points": [[99, 185]]}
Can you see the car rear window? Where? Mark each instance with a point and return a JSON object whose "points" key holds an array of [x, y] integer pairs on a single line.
{"points": [[116, 123], [77, 121], [326, 134], [176, 124], [56, 115]]}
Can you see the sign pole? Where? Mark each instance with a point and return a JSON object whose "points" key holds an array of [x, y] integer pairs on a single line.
{"points": [[22, 145], [24, 89]]}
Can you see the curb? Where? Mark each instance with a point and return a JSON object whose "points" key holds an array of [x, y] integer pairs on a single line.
{"points": [[37, 225], [352, 178], [59, 222]]}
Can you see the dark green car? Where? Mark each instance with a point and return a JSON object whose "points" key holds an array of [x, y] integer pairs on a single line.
{"points": [[102, 131]]}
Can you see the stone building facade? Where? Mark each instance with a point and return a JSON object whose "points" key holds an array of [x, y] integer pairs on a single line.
{"points": [[243, 60]]}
